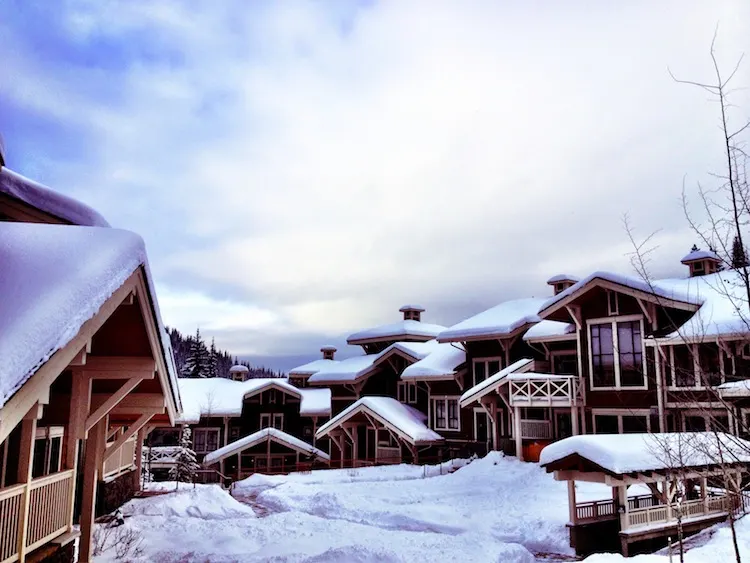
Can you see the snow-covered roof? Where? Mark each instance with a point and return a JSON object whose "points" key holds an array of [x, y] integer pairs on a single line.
{"points": [[416, 350], [53, 278], [549, 330], [501, 320], [315, 402], [695, 255], [44, 199], [406, 421], [628, 453], [218, 396], [441, 363], [313, 367], [561, 278], [259, 437], [396, 331], [418, 308], [665, 290], [492, 382], [344, 371], [735, 389], [239, 369]]}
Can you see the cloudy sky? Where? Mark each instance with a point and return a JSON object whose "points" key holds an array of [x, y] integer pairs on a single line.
{"points": [[300, 170]]}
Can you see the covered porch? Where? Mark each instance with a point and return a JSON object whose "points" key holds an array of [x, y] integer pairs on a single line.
{"points": [[540, 407], [691, 489], [378, 430]]}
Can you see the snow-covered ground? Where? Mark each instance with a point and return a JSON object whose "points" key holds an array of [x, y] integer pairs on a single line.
{"points": [[494, 509]]}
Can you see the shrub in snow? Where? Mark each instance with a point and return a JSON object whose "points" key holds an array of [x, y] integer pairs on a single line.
{"points": [[185, 462]]}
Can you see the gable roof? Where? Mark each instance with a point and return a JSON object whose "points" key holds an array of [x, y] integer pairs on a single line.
{"points": [[406, 421], [312, 367], [259, 437], [396, 331], [695, 255], [499, 321], [345, 371], [442, 363], [44, 199], [550, 330], [53, 279]]}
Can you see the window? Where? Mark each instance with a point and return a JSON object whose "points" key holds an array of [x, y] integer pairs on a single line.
{"points": [[613, 303], [622, 422], [564, 364], [634, 424], [446, 413], [617, 358], [272, 397], [695, 424], [386, 439], [278, 421], [606, 424], [407, 392], [683, 368], [265, 420], [486, 367], [205, 440], [234, 433], [710, 366]]}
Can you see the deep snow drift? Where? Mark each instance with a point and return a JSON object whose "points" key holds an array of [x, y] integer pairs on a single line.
{"points": [[494, 509]]}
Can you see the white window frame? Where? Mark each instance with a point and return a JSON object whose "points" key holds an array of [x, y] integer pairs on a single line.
{"points": [[206, 430], [405, 390], [616, 346], [444, 399], [267, 417], [707, 415], [697, 382], [613, 298], [280, 417], [485, 361], [619, 413]]}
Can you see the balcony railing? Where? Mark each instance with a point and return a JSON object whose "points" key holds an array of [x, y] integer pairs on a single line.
{"points": [[536, 429], [49, 506], [662, 514], [123, 460], [560, 391], [605, 509]]}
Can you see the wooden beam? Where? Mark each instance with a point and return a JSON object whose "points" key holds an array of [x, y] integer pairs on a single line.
{"points": [[119, 363], [95, 444], [80, 358], [111, 402], [25, 465], [132, 429]]}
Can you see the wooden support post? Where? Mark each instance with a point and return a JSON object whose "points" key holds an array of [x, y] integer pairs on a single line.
{"points": [[268, 454], [704, 494], [572, 512], [226, 430], [95, 445], [622, 502], [574, 420], [139, 457], [517, 425], [660, 390], [25, 464]]}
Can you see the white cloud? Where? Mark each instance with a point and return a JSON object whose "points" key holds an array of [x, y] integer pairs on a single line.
{"points": [[322, 168]]}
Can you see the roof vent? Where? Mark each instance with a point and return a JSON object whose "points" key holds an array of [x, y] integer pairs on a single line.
{"points": [[412, 312], [561, 282], [328, 352], [702, 262]]}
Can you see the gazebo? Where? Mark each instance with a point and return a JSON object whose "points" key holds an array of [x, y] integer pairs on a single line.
{"points": [[694, 479]]}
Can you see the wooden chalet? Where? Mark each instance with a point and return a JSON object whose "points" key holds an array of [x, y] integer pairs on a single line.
{"points": [[694, 477], [86, 370]]}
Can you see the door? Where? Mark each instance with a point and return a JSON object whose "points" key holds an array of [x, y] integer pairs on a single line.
{"points": [[482, 429]]}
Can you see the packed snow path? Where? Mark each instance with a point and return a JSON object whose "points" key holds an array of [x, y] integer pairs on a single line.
{"points": [[494, 509]]}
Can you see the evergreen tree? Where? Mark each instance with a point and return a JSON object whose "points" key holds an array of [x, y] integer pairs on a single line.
{"points": [[739, 256], [213, 365], [186, 463], [197, 362]]}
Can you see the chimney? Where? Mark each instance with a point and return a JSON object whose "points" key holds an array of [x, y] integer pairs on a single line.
{"points": [[561, 282], [412, 312], [328, 352], [702, 262]]}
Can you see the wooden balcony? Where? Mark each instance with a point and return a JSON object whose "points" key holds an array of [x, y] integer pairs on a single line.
{"points": [[43, 507], [536, 429], [544, 391], [594, 511], [120, 462]]}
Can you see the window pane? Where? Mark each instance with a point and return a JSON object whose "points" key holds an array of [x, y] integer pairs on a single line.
{"points": [[494, 367], [684, 370], [40, 453], [606, 424], [54, 454], [479, 372], [401, 397], [439, 414], [453, 414], [695, 424], [212, 440], [199, 440], [602, 355], [413, 393], [631, 354], [632, 424]]}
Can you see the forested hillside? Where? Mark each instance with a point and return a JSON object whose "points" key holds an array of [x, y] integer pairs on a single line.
{"points": [[194, 358]]}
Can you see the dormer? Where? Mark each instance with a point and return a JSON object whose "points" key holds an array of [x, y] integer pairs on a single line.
{"points": [[238, 372], [561, 282], [328, 352], [702, 262], [412, 312]]}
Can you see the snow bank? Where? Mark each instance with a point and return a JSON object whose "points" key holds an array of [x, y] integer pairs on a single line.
{"points": [[53, 279], [49, 201], [207, 502], [501, 320]]}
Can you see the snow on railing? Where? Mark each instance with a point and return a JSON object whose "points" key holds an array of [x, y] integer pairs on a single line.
{"points": [[160, 454]]}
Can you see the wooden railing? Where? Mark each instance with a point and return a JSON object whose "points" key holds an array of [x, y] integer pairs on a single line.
{"points": [[160, 456], [561, 391], [690, 509], [48, 516], [122, 460], [605, 509], [49, 507], [536, 429]]}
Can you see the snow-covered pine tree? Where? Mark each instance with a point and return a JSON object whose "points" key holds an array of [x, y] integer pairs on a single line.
{"points": [[196, 364], [739, 256], [213, 364], [186, 463]]}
